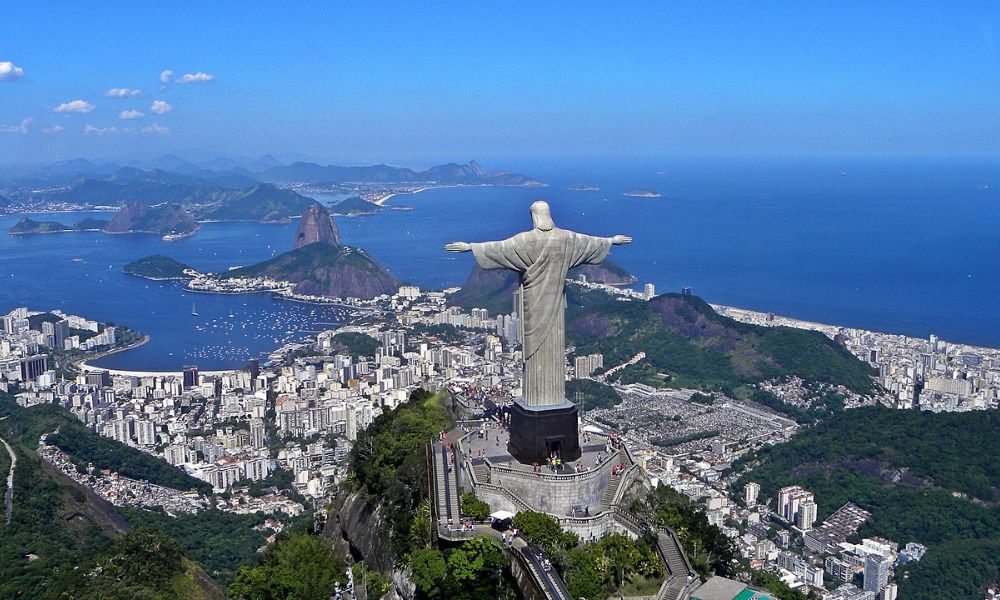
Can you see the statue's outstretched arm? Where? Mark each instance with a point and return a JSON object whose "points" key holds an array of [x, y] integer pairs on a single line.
{"points": [[458, 247], [621, 240]]}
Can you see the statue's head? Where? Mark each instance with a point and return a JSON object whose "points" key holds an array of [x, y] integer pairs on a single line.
{"points": [[541, 218]]}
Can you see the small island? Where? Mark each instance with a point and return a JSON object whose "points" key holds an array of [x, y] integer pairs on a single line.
{"points": [[30, 226], [583, 187], [354, 207], [643, 194], [159, 268]]}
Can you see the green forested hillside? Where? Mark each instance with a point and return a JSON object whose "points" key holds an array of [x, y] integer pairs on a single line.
{"points": [[687, 344], [262, 202], [143, 564], [389, 463], [60, 531], [925, 477], [221, 542], [323, 269], [54, 526], [157, 266]]}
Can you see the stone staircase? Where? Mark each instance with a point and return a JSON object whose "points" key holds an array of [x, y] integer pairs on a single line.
{"points": [[446, 488], [672, 554], [482, 472], [677, 586], [612, 488]]}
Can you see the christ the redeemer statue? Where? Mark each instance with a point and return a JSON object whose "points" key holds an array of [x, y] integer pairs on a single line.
{"points": [[542, 257]]}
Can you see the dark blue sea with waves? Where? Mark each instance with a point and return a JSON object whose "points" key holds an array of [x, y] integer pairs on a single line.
{"points": [[906, 246]]}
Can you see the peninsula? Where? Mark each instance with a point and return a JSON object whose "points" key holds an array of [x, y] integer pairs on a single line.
{"points": [[318, 269]]}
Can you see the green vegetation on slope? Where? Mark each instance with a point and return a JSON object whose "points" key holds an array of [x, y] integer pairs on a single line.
{"points": [[60, 532], [86, 446], [161, 219], [354, 206], [301, 567], [687, 344], [907, 469], [220, 541], [144, 564], [27, 225], [613, 565], [357, 344], [323, 269], [708, 549], [54, 527], [263, 202], [592, 394], [389, 463], [303, 264], [470, 572], [157, 266]]}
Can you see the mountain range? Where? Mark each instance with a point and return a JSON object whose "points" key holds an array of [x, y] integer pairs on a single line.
{"points": [[240, 173]]}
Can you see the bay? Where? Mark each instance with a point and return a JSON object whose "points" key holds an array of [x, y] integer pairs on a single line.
{"points": [[907, 246]]}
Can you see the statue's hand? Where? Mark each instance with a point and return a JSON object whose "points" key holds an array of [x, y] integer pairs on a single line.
{"points": [[458, 247], [620, 240]]}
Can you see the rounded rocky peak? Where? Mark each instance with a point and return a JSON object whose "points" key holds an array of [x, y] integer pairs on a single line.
{"points": [[316, 225]]}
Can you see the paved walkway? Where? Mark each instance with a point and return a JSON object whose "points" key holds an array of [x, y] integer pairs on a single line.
{"points": [[8, 496], [493, 446]]}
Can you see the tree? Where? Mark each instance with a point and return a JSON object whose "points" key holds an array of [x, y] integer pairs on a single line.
{"points": [[429, 571], [474, 508], [301, 567], [470, 571], [544, 530]]}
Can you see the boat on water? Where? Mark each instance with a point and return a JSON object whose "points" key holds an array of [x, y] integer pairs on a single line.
{"points": [[194, 311], [76, 259]]}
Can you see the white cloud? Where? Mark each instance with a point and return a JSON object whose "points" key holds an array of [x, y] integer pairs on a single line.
{"points": [[54, 129], [89, 129], [166, 75], [161, 107], [9, 71], [155, 128], [122, 93], [75, 106], [130, 114], [198, 77], [22, 128]]}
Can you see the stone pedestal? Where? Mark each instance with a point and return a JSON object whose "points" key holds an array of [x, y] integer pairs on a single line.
{"points": [[538, 432]]}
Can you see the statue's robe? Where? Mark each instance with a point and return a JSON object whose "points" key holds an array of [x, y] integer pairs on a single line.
{"points": [[543, 258]]}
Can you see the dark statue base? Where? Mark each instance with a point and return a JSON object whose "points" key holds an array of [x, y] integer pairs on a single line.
{"points": [[538, 433]]}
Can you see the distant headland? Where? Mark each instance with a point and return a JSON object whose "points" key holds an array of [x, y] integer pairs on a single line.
{"points": [[643, 194]]}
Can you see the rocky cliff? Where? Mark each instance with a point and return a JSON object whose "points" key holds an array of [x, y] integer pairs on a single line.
{"points": [[316, 225]]}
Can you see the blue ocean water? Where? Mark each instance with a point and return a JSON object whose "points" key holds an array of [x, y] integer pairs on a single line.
{"points": [[903, 246]]}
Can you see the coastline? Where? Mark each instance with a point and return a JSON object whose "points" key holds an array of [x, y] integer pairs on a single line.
{"points": [[81, 366], [56, 231], [381, 200], [151, 278], [749, 315]]}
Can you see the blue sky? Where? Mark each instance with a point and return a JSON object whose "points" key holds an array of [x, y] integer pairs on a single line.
{"points": [[416, 83]]}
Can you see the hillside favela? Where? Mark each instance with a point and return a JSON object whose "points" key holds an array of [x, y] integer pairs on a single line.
{"points": [[500, 301]]}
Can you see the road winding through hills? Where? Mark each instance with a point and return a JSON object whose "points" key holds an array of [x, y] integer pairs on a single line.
{"points": [[8, 497]]}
